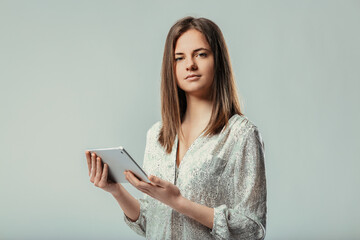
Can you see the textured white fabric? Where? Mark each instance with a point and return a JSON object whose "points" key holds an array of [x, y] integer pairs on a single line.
{"points": [[225, 172]]}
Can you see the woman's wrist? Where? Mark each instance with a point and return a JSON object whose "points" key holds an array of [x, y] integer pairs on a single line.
{"points": [[117, 191], [179, 204]]}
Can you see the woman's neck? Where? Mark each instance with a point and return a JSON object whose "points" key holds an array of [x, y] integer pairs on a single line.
{"points": [[198, 111]]}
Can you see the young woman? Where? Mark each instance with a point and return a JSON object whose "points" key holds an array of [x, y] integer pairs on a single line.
{"points": [[205, 159]]}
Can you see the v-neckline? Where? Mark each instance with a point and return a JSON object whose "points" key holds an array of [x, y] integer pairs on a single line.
{"points": [[186, 153], [192, 145]]}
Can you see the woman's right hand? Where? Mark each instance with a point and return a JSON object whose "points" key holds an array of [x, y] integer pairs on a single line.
{"points": [[99, 174]]}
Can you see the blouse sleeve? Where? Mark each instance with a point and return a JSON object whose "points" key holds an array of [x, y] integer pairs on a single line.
{"points": [[139, 226], [246, 218]]}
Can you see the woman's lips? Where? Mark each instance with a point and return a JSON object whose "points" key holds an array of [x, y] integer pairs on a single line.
{"points": [[193, 78]]}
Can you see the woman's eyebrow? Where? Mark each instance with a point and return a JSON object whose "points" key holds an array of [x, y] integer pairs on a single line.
{"points": [[196, 50]]}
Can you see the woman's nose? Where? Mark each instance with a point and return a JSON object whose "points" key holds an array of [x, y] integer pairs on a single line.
{"points": [[191, 65]]}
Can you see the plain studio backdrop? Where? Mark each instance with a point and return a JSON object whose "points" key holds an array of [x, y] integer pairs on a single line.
{"points": [[85, 74]]}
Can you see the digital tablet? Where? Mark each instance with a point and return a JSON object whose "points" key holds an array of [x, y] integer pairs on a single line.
{"points": [[119, 161]]}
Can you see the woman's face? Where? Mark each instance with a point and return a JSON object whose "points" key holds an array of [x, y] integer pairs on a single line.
{"points": [[193, 56]]}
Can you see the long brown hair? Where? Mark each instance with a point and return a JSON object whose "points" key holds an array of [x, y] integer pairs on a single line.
{"points": [[173, 99]]}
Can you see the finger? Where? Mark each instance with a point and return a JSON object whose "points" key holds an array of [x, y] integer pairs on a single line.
{"points": [[127, 177], [88, 159], [158, 181], [133, 177], [139, 183], [98, 170], [147, 188], [104, 175], [93, 167]]}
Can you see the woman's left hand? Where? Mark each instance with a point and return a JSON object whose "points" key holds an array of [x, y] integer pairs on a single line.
{"points": [[162, 190]]}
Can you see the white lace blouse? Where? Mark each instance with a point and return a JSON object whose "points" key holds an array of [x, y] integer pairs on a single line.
{"points": [[225, 172]]}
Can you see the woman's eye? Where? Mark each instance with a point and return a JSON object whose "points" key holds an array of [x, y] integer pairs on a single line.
{"points": [[200, 54]]}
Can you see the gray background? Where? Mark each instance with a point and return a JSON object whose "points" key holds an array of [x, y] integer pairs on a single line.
{"points": [[82, 74]]}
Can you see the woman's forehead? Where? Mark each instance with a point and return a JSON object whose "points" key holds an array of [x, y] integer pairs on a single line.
{"points": [[191, 40]]}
